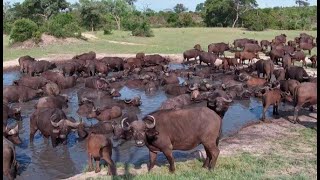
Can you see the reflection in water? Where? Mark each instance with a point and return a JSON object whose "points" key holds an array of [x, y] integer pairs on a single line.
{"points": [[41, 161]]}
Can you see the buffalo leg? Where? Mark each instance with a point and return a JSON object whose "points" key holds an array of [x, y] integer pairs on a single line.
{"points": [[90, 168], [33, 131], [53, 141], [153, 158], [265, 108], [208, 158], [213, 154], [169, 156], [97, 160], [295, 115], [107, 157]]}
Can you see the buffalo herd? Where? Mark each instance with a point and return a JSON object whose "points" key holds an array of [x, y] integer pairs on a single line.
{"points": [[179, 124]]}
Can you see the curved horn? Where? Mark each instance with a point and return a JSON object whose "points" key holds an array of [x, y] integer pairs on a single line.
{"points": [[94, 109], [193, 88], [112, 91], [153, 123], [226, 100], [99, 85], [14, 130], [127, 101], [54, 124], [240, 78], [305, 77], [18, 109], [287, 93], [123, 127], [72, 124]]}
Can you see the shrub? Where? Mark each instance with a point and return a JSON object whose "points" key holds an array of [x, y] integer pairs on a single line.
{"points": [[63, 25], [7, 26], [107, 30], [22, 30], [143, 30], [36, 36]]}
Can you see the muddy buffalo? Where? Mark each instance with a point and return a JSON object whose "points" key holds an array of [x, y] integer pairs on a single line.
{"points": [[182, 129]]}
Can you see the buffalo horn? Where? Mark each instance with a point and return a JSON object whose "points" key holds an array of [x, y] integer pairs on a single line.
{"points": [[287, 93], [127, 101], [14, 130], [18, 109], [72, 124], [150, 126], [112, 91], [226, 100], [122, 124], [305, 77], [54, 124]]}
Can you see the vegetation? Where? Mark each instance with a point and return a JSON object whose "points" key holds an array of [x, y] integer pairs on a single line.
{"points": [[107, 15], [165, 40], [22, 30]]}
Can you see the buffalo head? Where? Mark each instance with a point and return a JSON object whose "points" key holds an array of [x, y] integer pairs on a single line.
{"points": [[142, 130], [12, 134], [136, 101], [63, 127], [220, 105]]}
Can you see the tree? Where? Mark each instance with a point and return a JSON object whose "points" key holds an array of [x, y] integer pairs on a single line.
{"points": [[90, 13], [200, 7], [179, 8], [131, 2], [218, 13], [118, 9], [302, 3], [241, 6]]}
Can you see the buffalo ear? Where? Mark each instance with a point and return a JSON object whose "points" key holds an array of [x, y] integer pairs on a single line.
{"points": [[151, 132]]}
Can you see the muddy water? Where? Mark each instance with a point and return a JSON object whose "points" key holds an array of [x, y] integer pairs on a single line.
{"points": [[41, 161]]}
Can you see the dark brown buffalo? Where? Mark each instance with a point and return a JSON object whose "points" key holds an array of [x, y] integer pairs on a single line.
{"points": [[241, 42], [288, 49], [87, 109], [276, 55], [99, 146], [299, 56], [70, 68], [297, 73], [292, 43], [265, 67], [271, 97], [175, 89], [85, 56], [286, 61], [252, 81], [12, 134], [264, 44], [115, 63], [228, 62], [90, 67], [101, 67], [250, 47], [191, 53], [218, 48], [66, 82], [288, 86], [9, 112], [282, 38], [60, 101], [51, 89], [219, 105], [248, 56], [24, 62], [198, 47], [51, 122], [109, 114], [38, 67], [279, 74], [177, 102], [31, 82], [182, 129], [10, 164], [306, 46], [20, 94], [96, 83], [52, 75], [305, 94], [155, 59], [171, 78], [313, 60], [140, 55], [208, 58], [132, 63]]}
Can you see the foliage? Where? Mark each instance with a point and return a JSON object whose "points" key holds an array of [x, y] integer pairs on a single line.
{"points": [[7, 26], [199, 7], [22, 30], [179, 8], [143, 30], [218, 13], [63, 25]]}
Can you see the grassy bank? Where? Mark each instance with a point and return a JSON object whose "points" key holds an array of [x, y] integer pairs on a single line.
{"points": [[279, 150], [166, 40]]}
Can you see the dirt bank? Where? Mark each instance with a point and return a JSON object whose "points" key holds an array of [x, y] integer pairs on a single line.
{"points": [[258, 139]]}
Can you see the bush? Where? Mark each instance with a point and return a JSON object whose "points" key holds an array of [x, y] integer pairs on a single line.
{"points": [[107, 30], [36, 36], [22, 30], [63, 25], [256, 26], [7, 27], [143, 30]]}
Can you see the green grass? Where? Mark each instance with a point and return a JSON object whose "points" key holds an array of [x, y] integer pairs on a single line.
{"points": [[166, 40]]}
